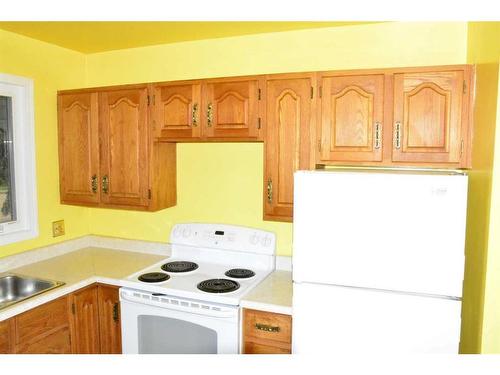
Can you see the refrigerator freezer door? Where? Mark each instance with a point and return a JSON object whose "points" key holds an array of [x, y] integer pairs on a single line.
{"points": [[330, 319], [390, 231]]}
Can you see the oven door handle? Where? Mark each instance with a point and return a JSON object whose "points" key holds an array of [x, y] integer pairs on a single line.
{"points": [[178, 304]]}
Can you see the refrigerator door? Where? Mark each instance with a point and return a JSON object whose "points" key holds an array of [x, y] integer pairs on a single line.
{"points": [[330, 319], [389, 231]]}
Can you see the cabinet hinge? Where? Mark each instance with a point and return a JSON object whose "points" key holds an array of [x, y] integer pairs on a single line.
{"points": [[461, 147], [149, 194], [259, 123], [259, 94], [312, 92], [73, 309], [321, 91], [319, 145], [464, 87], [149, 100]]}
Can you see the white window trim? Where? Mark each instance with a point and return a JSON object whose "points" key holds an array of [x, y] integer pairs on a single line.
{"points": [[20, 89]]}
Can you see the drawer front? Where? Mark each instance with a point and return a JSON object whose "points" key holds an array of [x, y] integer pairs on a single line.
{"points": [[4, 337], [268, 326], [41, 320], [255, 348], [58, 342]]}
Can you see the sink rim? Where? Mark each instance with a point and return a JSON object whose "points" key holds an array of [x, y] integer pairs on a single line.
{"points": [[55, 284]]}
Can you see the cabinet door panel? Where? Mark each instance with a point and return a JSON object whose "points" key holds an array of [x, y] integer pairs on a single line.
{"points": [[289, 120], [352, 110], [428, 117], [177, 111], [78, 147], [57, 342], [85, 321], [124, 135], [109, 319], [231, 109], [5, 344]]}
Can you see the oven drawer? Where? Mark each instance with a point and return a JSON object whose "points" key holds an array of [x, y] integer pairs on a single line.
{"points": [[266, 330]]}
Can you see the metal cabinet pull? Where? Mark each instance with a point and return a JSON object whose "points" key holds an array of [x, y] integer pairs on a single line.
{"points": [[195, 114], [267, 328], [115, 312], [270, 191], [105, 184], [209, 115], [378, 135], [397, 135], [93, 183]]}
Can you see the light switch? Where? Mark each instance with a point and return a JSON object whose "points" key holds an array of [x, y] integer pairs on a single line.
{"points": [[58, 228]]}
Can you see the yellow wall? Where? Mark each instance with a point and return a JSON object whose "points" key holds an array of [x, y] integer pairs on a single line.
{"points": [[483, 237], [52, 68], [223, 182]]}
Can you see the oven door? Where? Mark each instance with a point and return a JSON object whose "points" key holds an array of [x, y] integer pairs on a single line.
{"points": [[161, 324]]}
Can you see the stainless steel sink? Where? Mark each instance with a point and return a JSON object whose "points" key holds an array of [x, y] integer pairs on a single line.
{"points": [[17, 288]]}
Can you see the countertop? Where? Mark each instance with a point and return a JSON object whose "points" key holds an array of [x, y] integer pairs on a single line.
{"points": [[78, 269], [273, 294]]}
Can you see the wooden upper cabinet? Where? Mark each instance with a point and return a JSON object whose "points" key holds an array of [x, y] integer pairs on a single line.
{"points": [[289, 123], [352, 118], [231, 109], [177, 111], [124, 147], [109, 319], [78, 147], [85, 325], [429, 116]]}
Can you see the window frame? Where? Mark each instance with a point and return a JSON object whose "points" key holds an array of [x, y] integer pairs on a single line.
{"points": [[20, 90]]}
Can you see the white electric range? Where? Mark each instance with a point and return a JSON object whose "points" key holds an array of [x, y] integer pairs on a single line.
{"points": [[189, 303]]}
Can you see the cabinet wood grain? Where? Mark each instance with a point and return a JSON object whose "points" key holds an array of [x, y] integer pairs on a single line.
{"points": [[85, 321], [290, 114], [109, 319], [5, 337]]}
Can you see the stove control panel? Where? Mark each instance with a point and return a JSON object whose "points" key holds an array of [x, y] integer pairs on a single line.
{"points": [[222, 236]]}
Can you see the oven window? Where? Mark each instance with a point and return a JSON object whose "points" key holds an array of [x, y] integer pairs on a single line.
{"points": [[161, 335]]}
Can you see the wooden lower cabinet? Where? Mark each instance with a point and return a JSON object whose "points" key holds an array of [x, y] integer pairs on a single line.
{"points": [[84, 322], [110, 336], [266, 332]]}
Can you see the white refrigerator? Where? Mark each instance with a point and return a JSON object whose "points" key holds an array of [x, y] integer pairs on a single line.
{"points": [[378, 261]]}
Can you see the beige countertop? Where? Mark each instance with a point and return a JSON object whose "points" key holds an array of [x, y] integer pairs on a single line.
{"points": [[274, 294], [78, 269]]}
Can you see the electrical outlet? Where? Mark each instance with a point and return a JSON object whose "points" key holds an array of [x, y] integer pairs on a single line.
{"points": [[58, 228]]}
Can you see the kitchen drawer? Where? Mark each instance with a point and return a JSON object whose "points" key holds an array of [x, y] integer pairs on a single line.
{"points": [[41, 320], [58, 342], [256, 348], [267, 326]]}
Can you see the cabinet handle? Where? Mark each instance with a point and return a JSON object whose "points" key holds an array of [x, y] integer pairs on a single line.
{"points": [[209, 115], [270, 191], [115, 312], [378, 135], [93, 183], [397, 135], [105, 184], [267, 328], [195, 114]]}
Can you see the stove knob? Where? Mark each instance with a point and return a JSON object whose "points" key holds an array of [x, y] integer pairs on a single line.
{"points": [[267, 241], [254, 239], [186, 232]]}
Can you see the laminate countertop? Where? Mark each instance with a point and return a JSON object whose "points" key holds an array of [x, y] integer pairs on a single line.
{"points": [[78, 269], [273, 294]]}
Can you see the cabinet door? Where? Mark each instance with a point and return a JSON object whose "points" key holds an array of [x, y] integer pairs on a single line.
{"points": [[85, 337], [177, 111], [231, 109], [352, 115], [124, 147], [78, 148], [5, 346], [428, 117], [109, 319], [289, 121]]}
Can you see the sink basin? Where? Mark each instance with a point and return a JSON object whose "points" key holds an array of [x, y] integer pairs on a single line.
{"points": [[17, 288]]}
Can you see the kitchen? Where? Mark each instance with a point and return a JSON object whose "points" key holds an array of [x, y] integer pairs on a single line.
{"points": [[228, 182]]}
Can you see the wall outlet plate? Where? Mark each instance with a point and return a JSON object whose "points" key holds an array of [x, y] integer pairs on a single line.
{"points": [[58, 228]]}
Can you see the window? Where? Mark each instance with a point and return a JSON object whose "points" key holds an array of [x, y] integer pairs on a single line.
{"points": [[18, 205]]}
